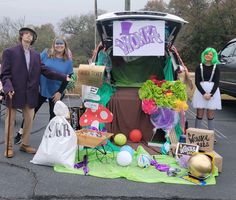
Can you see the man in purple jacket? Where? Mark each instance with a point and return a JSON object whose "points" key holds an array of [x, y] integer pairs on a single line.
{"points": [[21, 70]]}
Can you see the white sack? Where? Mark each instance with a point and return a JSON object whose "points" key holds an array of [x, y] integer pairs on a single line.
{"points": [[59, 142]]}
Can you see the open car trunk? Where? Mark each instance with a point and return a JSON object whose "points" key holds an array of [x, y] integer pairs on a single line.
{"points": [[130, 70]]}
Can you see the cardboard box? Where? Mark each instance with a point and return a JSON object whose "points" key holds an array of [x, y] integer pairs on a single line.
{"points": [[91, 75], [204, 138], [218, 160]]}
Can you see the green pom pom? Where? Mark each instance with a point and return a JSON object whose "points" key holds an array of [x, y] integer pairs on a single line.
{"points": [[149, 90], [71, 84]]}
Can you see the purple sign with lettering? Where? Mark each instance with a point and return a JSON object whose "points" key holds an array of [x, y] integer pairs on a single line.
{"points": [[138, 38]]}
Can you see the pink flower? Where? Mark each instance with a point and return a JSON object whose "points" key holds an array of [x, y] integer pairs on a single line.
{"points": [[149, 106]]}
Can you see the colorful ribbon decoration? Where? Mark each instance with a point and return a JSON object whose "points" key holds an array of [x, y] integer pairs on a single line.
{"points": [[83, 164], [165, 168], [160, 167]]}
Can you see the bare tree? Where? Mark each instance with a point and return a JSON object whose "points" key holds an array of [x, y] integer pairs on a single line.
{"points": [[9, 31]]}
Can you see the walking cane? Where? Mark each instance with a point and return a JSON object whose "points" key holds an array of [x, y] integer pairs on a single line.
{"points": [[9, 123]]}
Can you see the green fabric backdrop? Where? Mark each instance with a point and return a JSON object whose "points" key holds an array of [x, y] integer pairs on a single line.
{"points": [[135, 73]]}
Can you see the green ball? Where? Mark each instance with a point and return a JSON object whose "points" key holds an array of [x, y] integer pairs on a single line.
{"points": [[120, 139]]}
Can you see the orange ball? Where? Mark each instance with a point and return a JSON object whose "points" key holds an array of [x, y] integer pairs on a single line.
{"points": [[135, 135]]}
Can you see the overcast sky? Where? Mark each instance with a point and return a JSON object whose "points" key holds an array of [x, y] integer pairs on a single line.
{"points": [[39, 12]]}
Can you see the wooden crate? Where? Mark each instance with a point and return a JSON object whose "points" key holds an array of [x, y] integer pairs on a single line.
{"points": [[86, 140]]}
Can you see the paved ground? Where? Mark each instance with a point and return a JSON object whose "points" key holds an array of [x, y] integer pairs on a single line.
{"points": [[19, 179]]}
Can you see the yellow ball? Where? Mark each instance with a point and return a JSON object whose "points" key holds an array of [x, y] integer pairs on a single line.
{"points": [[120, 139]]}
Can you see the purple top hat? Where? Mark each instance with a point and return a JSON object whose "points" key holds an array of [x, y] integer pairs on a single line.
{"points": [[125, 27]]}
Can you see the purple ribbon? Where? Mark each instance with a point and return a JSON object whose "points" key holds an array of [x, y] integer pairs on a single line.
{"points": [[95, 129], [83, 164], [160, 167]]}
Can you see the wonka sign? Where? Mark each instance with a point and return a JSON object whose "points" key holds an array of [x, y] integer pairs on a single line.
{"points": [[138, 38]]}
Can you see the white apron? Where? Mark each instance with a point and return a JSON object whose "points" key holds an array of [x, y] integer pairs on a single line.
{"points": [[199, 101]]}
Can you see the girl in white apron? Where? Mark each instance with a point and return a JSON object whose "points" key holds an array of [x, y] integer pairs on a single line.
{"points": [[207, 94]]}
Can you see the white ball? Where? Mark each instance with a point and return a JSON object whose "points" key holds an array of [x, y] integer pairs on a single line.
{"points": [[144, 160], [123, 158]]}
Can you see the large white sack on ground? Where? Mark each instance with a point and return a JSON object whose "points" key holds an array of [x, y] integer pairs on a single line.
{"points": [[59, 142]]}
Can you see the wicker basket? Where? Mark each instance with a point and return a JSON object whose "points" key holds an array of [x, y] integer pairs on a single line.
{"points": [[91, 141]]}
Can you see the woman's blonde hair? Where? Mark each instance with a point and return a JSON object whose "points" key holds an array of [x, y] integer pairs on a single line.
{"points": [[52, 53]]}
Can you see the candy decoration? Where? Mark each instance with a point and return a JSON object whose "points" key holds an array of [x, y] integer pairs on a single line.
{"points": [[183, 161], [83, 164], [160, 167], [123, 158], [170, 171], [127, 148], [135, 135], [144, 160], [120, 139], [164, 118]]}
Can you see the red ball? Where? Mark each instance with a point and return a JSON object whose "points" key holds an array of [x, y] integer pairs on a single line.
{"points": [[135, 135]]}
